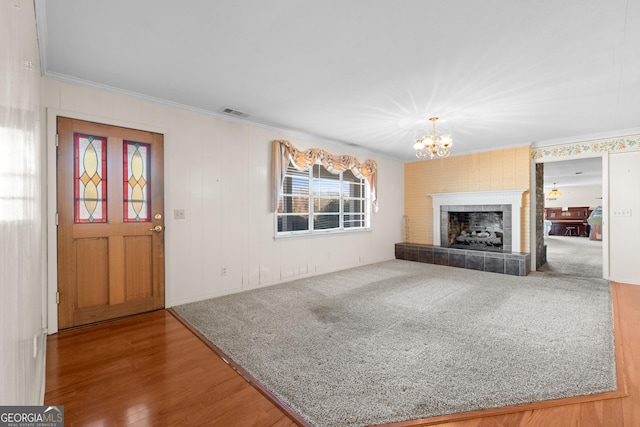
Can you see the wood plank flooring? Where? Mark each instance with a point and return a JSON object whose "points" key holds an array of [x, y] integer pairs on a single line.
{"points": [[150, 370]]}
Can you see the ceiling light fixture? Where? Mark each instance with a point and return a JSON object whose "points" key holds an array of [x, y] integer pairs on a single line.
{"points": [[430, 145], [554, 191]]}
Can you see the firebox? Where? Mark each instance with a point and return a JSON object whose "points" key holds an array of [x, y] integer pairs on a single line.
{"points": [[477, 227], [509, 202], [479, 230]]}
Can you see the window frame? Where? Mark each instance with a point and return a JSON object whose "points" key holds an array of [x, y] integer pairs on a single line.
{"points": [[314, 197]]}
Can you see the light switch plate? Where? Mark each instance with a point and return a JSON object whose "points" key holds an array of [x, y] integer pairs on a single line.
{"points": [[621, 212]]}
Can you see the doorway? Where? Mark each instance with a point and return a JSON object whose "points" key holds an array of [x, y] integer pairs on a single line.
{"points": [[572, 217], [110, 222]]}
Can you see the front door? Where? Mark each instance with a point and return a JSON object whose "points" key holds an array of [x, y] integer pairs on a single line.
{"points": [[110, 222]]}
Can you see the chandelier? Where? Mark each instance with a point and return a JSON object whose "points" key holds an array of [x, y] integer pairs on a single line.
{"points": [[554, 191], [430, 145]]}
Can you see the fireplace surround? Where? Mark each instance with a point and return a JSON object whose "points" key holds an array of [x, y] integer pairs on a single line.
{"points": [[507, 201]]}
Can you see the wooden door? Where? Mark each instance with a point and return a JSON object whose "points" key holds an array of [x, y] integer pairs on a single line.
{"points": [[110, 222]]}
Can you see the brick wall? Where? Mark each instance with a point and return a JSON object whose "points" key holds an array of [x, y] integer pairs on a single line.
{"points": [[541, 254]]}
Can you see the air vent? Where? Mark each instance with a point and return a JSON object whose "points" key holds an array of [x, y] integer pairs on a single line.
{"points": [[233, 112]]}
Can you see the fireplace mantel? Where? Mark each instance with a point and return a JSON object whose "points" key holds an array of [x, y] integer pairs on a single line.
{"points": [[504, 197]]}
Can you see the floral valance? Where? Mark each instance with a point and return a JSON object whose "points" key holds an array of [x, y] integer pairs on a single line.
{"points": [[284, 152]]}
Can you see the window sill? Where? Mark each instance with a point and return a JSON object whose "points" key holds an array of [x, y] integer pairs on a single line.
{"points": [[319, 233]]}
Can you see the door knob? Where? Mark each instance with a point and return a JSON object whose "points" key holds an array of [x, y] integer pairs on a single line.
{"points": [[157, 228]]}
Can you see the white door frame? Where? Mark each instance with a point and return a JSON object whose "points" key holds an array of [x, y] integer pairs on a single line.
{"points": [[604, 155]]}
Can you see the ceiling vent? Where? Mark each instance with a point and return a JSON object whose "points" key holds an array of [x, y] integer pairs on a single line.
{"points": [[233, 112]]}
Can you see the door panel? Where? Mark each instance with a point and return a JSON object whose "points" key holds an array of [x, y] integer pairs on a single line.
{"points": [[138, 267], [110, 198], [91, 264]]}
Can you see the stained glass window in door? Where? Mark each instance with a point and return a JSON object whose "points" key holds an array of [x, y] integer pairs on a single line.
{"points": [[136, 173], [90, 178]]}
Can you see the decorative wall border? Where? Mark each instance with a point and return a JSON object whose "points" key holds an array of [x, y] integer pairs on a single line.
{"points": [[615, 144]]}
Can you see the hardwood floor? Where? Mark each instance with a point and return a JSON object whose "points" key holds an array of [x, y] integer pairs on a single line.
{"points": [[150, 370]]}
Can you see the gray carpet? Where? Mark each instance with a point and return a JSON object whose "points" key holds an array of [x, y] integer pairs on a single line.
{"points": [[575, 256], [401, 340]]}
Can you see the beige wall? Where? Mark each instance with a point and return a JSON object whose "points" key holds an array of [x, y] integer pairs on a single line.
{"points": [[489, 171]]}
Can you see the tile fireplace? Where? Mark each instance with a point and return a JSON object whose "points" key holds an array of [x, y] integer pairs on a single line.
{"points": [[474, 230], [507, 202]]}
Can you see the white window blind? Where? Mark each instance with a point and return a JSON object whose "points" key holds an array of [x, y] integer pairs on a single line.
{"points": [[317, 200]]}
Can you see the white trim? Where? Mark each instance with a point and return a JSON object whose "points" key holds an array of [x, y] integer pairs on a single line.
{"points": [[52, 231], [284, 235], [40, 9], [505, 197], [605, 203], [605, 215]]}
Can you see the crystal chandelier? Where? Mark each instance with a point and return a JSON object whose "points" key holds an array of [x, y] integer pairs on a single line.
{"points": [[430, 145]]}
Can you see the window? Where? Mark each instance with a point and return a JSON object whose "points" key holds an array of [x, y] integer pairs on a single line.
{"points": [[317, 200], [19, 173], [90, 178]]}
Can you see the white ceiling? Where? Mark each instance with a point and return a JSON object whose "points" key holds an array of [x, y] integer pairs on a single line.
{"points": [[498, 73], [573, 173]]}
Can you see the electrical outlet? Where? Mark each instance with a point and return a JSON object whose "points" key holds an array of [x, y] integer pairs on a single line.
{"points": [[223, 271], [178, 214]]}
